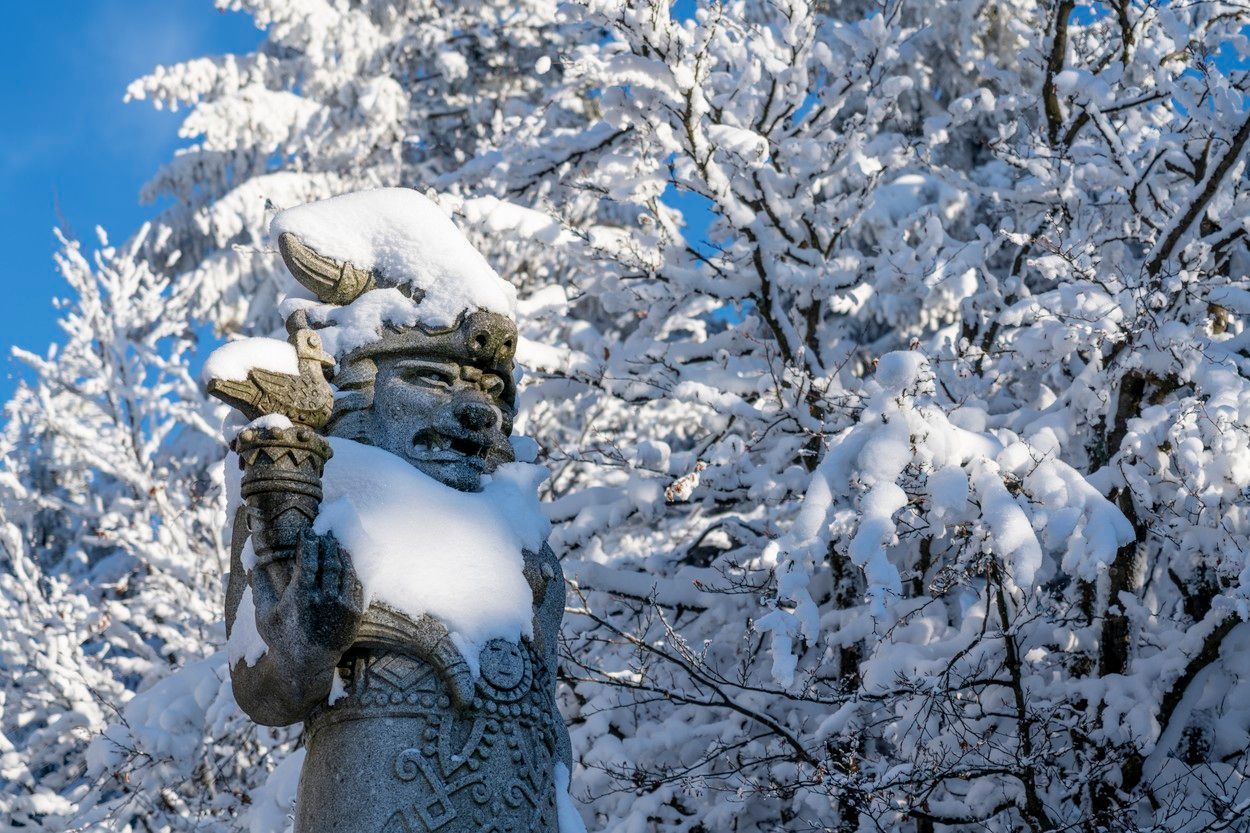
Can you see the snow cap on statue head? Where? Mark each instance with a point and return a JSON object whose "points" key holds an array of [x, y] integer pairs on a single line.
{"points": [[345, 247], [393, 275]]}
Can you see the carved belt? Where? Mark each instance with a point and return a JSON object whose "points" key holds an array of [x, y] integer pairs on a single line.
{"points": [[383, 681]]}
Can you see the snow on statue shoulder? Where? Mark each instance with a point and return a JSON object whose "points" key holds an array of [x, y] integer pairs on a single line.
{"points": [[405, 603]]}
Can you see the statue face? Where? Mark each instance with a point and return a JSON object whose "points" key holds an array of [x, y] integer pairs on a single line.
{"points": [[444, 416]]}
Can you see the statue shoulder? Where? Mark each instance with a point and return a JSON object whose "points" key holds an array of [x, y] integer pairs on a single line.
{"points": [[542, 568], [547, 555]]}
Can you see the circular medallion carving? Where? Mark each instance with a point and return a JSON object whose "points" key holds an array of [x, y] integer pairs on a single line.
{"points": [[506, 671]]}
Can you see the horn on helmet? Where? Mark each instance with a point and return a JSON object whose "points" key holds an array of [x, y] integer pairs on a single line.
{"points": [[332, 281]]}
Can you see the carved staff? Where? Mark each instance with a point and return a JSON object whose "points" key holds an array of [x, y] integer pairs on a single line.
{"points": [[282, 466], [281, 486]]}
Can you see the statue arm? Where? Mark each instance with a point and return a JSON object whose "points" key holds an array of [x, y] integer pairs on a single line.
{"points": [[307, 612]]}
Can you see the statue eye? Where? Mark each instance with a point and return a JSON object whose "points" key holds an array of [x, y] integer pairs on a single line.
{"points": [[426, 374]]}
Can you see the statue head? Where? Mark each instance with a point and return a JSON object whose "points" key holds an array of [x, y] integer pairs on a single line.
{"points": [[441, 398]]}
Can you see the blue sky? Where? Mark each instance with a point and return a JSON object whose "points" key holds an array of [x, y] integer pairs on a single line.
{"points": [[71, 152]]}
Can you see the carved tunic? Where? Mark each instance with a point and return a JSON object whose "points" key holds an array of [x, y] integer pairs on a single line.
{"points": [[429, 766]]}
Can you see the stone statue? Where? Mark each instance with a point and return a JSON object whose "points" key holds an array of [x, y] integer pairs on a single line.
{"points": [[402, 736]]}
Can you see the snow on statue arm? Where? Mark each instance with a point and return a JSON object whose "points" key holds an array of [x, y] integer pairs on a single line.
{"points": [[296, 600]]}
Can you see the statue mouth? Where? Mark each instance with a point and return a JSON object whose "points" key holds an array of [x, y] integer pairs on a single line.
{"points": [[436, 447]]}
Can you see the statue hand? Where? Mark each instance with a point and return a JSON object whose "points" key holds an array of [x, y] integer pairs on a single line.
{"points": [[324, 601]]}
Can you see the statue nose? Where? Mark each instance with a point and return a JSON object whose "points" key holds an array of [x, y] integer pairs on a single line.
{"points": [[476, 416]]}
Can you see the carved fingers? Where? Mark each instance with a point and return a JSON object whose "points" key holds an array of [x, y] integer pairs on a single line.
{"points": [[327, 593], [322, 568]]}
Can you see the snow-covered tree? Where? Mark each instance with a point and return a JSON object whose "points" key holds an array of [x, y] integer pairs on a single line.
{"points": [[947, 405], [339, 96], [111, 541], [889, 358]]}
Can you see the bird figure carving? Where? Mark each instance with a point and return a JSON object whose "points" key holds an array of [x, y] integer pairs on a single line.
{"points": [[306, 399]]}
